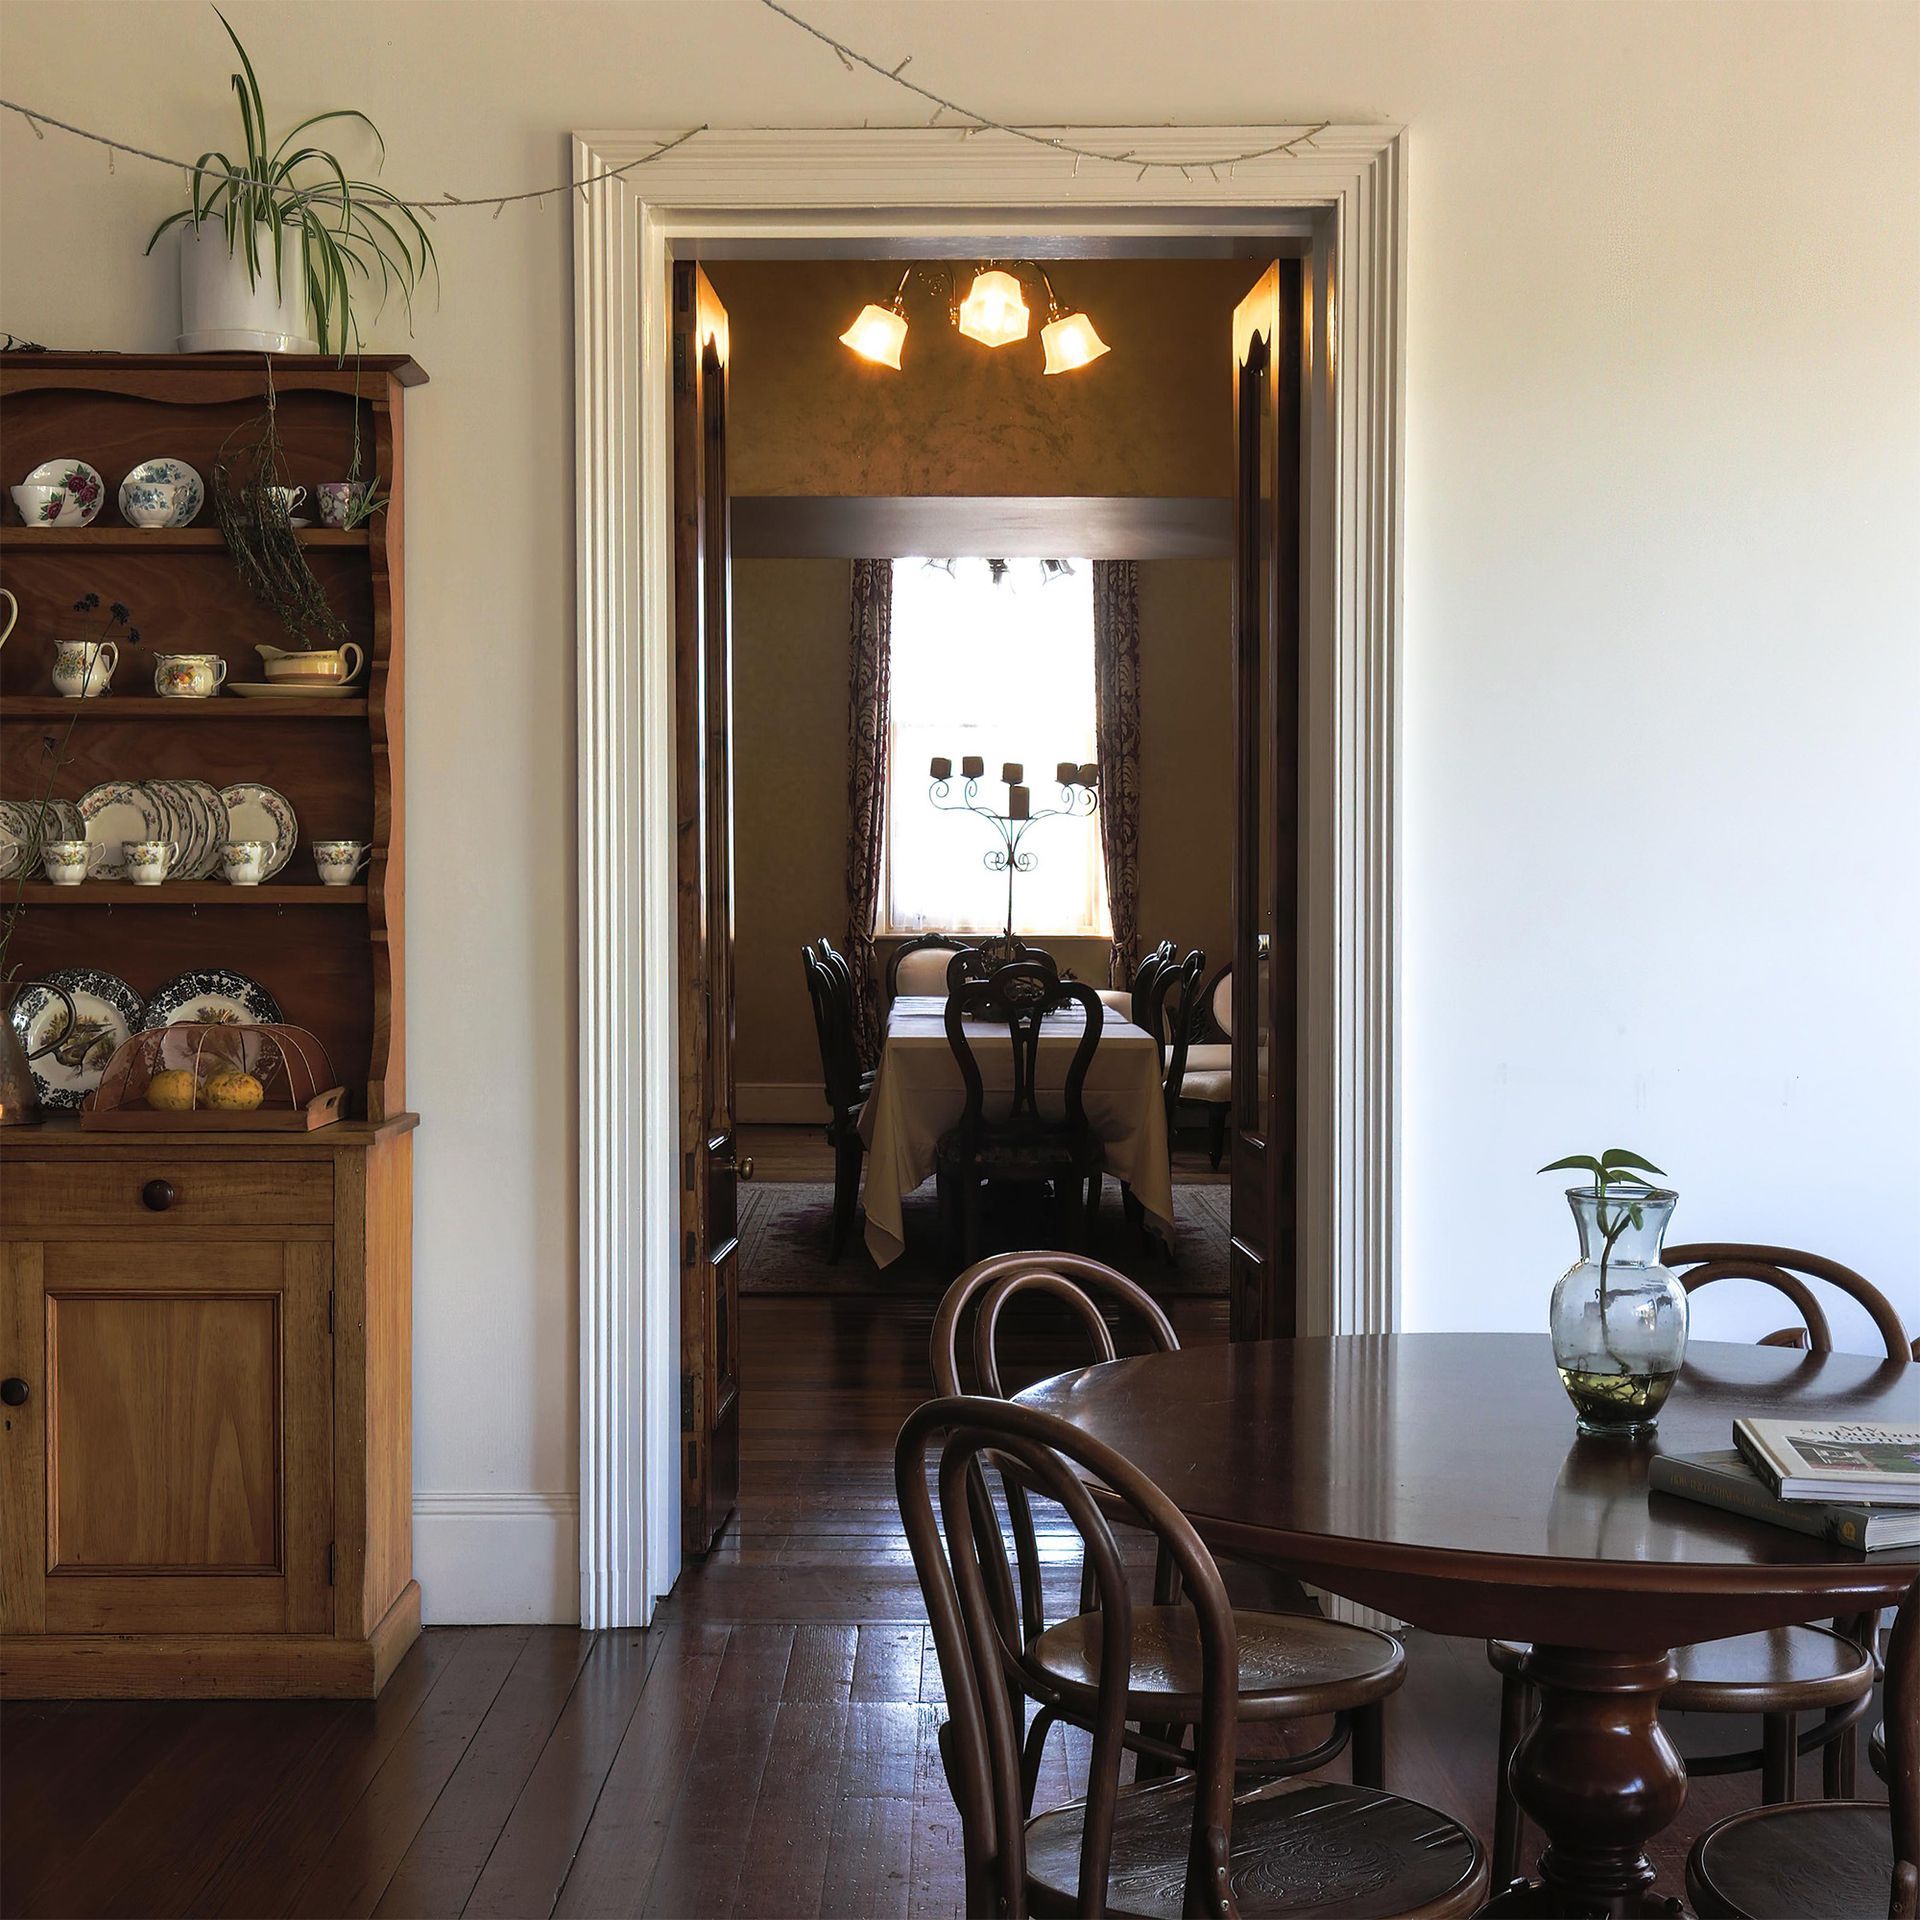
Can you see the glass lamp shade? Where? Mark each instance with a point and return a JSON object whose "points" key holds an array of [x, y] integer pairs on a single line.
{"points": [[877, 335], [1071, 342], [993, 312]]}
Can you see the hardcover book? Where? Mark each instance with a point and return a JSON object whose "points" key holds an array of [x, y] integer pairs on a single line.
{"points": [[1834, 1460], [1724, 1480]]}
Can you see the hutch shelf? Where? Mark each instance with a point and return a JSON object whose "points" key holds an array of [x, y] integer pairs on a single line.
{"points": [[205, 1441]]}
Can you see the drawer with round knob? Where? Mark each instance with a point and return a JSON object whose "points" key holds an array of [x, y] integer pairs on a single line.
{"points": [[76, 1194]]}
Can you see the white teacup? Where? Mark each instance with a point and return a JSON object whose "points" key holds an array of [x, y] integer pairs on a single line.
{"points": [[42, 506], [150, 861], [287, 499], [68, 862], [151, 503], [340, 861], [244, 862]]}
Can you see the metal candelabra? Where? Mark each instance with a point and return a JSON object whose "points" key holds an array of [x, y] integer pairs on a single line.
{"points": [[1078, 800]]}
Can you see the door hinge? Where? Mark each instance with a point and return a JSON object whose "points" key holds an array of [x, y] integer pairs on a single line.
{"points": [[689, 1169], [329, 1563], [686, 1403], [679, 361], [687, 1258]]}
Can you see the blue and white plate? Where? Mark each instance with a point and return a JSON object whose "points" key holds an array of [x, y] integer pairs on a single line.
{"points": [[107, 1012], [85, 488], [167, 473], [214, 996]]}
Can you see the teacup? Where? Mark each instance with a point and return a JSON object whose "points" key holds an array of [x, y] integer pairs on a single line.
{"points": [[341, 501], [339, 861], [287, 499], [151, 503], [244, 862], [83, 669], [188, 676], [68, 862], [149, 861], [41, 506]]}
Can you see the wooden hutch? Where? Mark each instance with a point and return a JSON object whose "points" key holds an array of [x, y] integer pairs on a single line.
{"points": [[205, 1446]]}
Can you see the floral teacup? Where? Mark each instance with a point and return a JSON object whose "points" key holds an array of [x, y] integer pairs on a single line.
{"points": [[151, 503], [341, 501], [244, 862], [41, 506], [188, 676], [68, 862], [338, 861], [150, 861]]}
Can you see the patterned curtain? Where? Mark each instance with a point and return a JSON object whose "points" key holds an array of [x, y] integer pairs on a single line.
{"points": [[869, 660], [1116, 696]]}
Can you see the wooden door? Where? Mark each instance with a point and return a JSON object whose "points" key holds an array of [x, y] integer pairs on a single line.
{"points": [[170, 1466], [710, 1272], [1268, 370]]}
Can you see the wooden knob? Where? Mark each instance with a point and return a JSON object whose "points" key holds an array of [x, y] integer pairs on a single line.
{"points": [[14, 1392], [158, 1195]]}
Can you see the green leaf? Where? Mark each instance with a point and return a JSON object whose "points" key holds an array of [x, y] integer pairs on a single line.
{"points": [[1575, 1163], [1616, 1157]]}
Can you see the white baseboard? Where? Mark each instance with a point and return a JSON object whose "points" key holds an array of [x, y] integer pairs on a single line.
{"points": [[780, 1103], [497, 1559]]}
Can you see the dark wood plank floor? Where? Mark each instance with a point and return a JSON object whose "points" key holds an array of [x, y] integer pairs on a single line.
{"points": [[767, 1748]]}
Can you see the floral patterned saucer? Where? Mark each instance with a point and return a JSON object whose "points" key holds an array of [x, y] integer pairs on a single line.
{"points": [[167, 473], [85, 488]]}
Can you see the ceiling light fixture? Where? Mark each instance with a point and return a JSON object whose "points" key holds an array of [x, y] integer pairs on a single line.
{"points": [[994, 311]]}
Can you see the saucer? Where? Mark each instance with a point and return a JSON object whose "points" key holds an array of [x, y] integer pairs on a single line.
{"points": [[288, 690], [87, 490], [167, 473]]}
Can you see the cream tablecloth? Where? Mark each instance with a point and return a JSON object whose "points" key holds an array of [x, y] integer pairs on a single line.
{"points": [[917, 1096]]}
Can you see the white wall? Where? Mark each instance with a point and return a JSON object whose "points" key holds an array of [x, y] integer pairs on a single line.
{"points": [[1662, 706]]}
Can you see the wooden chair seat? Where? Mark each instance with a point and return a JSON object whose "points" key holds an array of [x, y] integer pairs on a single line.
{"points": [[1292, 1666], [1786, 1670], [1821, 1859], [1298, 1848]]}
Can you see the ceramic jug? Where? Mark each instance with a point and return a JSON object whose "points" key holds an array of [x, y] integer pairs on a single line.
{"points": [[324, 666], [82, 669]]}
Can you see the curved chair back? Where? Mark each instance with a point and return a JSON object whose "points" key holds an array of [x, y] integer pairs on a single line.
{"points": [[1020, 996], [1142, 1008], [1782, 1268], [978, 1298], [1181, 985], [919, 965], [830, 989], [960, 1558]]}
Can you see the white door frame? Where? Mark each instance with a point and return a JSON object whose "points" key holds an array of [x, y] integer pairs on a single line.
{"points": [[1346, 193]]}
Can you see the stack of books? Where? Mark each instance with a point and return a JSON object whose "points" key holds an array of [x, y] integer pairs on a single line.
{"points": [[1856, 1484]]}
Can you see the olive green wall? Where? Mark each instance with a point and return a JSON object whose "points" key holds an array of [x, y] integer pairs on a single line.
{"points": [[790, 693], [1151, 417]]}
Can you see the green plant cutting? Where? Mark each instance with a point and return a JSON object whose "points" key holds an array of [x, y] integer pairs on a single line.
{"points": [[352, 227], [1614, 1168]]}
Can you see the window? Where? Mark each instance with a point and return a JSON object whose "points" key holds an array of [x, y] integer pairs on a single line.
{"points": [[1003, 669]]}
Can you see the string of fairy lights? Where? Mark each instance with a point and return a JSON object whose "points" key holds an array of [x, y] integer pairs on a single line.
{"points": [[966, 121]]}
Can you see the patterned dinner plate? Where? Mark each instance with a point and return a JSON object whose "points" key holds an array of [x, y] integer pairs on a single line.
{"points": [[85, 489], [217, 996], [167, 473], [256, 812], [115, 812], [106, 1012]]}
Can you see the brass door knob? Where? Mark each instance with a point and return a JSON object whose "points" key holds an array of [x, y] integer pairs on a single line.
{"points": [[158, 1195], [740, 1169]]}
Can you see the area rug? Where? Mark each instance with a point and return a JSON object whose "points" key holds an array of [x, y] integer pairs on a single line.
{"points": [[787, 1226]]}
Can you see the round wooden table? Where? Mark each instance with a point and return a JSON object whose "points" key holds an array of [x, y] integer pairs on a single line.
{"points": [[1438, 1477]]}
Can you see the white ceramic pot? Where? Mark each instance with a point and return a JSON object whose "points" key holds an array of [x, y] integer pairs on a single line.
{"points": [[221, 312]]}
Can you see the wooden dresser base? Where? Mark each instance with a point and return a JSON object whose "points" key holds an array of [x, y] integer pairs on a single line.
{"points": [[209, 1666]]}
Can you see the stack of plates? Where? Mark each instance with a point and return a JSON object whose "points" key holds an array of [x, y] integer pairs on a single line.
{"points": [[197, 818], [24, 830]]}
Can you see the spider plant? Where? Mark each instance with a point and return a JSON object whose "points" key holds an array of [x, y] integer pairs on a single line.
{"points": [[352, 228]]}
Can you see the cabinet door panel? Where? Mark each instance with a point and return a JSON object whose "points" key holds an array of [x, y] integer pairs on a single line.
{"points": [[183, 1404]]}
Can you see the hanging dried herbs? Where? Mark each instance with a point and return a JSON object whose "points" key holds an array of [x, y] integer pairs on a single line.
{"points": [[259, 531]]}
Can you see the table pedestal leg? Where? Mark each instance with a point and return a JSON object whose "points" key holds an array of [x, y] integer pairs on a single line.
{"points": [[1600, 1778]]}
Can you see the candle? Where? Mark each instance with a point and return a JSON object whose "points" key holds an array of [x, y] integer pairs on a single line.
{"points": [[1089, 775], [941, 769], [1013, 773], [1017, 804], [972, 767], [1066, 773]]}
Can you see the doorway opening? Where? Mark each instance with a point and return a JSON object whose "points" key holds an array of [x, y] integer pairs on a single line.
{"points": [[976, 659]]}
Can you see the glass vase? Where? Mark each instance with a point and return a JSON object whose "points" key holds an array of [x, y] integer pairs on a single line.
{"points": [[1619, 1316]]}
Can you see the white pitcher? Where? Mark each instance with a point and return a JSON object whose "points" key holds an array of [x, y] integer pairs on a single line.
{"points": [[83, 669]]}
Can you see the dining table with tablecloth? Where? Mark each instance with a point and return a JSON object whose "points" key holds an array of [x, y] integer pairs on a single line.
{"points": [[918, 1096]]}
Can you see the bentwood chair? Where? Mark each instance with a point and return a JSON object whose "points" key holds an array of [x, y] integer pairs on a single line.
{"points": [[1780, 1674], [1024, 1145], [1199, 1843], [919, 966], [1292, 1666], [1828, 1859], [830, 989]]}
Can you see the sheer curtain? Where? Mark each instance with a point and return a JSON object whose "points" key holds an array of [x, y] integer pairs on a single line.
{"points": [[869, 706], [1002, 668], [1116, 677]]}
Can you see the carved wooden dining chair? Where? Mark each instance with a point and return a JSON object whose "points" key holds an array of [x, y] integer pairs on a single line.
{"points": [[1292, 1667], [1172, 996], [846, 1086], [1784, 1672], [1135, 1003], [1202, 1842], [1022, 1146], [1207, 1077], [1828, 1859], [919, 965]]}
